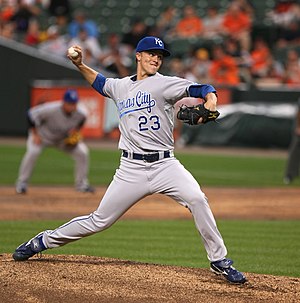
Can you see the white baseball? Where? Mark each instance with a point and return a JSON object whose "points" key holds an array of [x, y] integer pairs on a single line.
{"points": [[72, 52]]}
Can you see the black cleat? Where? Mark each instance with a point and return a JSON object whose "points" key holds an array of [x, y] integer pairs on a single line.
{"points": [[224, 268], [86, 189], [29, 249], [22, 190]]}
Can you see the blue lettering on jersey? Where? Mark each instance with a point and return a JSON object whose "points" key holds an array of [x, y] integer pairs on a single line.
{"points": [[142, 100]]}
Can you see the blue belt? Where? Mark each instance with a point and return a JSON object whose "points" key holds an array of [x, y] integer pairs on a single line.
{"points": [[146, 157]]}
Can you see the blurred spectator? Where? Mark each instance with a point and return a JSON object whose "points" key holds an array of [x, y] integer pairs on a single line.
{"points": [[90, 59], [137, 31], [260, 58], [292, 68], [241, 57], [89, 44], [223, 69], [7, 30], [115, 57], [61, 10], [213, 24], [33, 35], [273, 75], [293, 161], [55, 44], [237, 25], [6, 12], [276, 71], [81, 21], [178, 68], [247, 7], [284, 12], [166, 22], [233, 48], [200, 65], [190, 25], [23, 13], [289, 35], [265, 70]]}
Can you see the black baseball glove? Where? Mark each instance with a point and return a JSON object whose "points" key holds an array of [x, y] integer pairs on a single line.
{"points": [[192, 114]]}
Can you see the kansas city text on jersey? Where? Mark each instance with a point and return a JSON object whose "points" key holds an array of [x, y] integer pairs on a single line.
{"points": [[140, 101]]}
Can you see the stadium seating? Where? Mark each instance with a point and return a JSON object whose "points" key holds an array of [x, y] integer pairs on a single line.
{"points": [[113, 16]]}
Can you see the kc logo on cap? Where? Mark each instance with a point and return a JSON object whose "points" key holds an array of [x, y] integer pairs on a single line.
{"points": [[159, 42], [152, 43]]}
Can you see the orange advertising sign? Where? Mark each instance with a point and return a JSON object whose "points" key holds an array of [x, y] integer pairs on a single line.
{"points": [[92, 101]]}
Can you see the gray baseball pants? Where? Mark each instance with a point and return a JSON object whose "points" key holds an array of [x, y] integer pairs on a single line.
{"points": [[133, 180], [80, 154]]}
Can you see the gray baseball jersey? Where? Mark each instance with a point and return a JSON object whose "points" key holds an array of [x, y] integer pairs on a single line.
{"points": [[52, 123], [146, 117], [53, 126], [147, 166]]}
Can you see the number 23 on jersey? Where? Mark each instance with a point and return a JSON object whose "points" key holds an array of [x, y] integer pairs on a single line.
{"points": [[149, 123]]}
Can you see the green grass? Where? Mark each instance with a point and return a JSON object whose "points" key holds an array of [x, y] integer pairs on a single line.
{"points": [[266, 247], [57, 168], [54, 167], [269, 247]]}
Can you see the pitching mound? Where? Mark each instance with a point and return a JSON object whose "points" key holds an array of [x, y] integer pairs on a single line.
{"points": [[72, 279], [56, 278]]}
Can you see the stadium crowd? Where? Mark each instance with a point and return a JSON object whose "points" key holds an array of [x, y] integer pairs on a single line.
{"points": [[227, 53]]}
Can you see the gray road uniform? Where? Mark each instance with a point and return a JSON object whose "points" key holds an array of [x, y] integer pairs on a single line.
{"points": [[147, 165], [53, 126]]}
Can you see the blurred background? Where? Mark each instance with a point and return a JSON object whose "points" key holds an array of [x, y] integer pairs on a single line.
{"points": [[249, 50]]}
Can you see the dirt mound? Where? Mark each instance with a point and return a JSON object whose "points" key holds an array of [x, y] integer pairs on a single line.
{"points": [[72, 279]]}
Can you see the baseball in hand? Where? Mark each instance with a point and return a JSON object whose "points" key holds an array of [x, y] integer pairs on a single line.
{"points": [[72, 52]]}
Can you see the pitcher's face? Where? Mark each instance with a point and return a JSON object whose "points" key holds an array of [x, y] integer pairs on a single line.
{"points": [[149, 61]]}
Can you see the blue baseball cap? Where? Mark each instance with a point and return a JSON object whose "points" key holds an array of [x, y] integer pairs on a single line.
{"points": [[71, 96], [152, 43]]}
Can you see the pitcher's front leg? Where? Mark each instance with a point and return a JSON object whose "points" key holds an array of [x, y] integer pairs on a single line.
{"points": [[178, 183]]}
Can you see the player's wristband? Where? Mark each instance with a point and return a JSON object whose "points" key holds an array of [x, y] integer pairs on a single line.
{"points": [[200, 90], [98, 84]]}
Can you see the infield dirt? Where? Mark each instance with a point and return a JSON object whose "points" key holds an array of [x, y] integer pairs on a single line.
{"points": [[58, 278]]}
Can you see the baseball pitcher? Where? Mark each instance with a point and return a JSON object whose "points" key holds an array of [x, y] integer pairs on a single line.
{"points": [[145, 103]]}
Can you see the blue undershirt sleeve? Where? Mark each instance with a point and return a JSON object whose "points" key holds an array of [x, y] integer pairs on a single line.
{"points": [[200, 90], [98, 84]]}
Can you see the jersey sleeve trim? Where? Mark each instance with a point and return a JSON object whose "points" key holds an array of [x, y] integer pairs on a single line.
{"points": [[99, 83], [200, 90]]}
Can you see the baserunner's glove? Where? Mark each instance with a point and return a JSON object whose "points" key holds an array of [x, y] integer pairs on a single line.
{"points": [[73, 138], [192, 114]]}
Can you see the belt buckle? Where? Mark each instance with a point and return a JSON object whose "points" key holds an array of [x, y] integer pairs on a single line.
{"points": [[150, 157], [146, 157]]}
